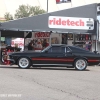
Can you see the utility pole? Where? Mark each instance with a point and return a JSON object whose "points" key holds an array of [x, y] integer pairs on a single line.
{"points": [[50, 31], [47, 6]]}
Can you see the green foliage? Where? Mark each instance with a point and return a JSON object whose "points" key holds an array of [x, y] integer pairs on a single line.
{"points": [[27, 11], [36, 10], [8, 16]]}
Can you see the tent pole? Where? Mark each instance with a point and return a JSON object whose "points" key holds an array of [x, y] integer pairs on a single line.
{"points": [[73, 38], [0, 48], [50, 38], [97, 33], [24, 41]]}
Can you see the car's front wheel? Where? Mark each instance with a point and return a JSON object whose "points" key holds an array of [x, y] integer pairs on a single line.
{"points": [[24, 63], [80, 64]]}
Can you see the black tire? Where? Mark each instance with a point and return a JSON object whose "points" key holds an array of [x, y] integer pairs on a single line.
{"points": [[22, 64], [80, 64]]}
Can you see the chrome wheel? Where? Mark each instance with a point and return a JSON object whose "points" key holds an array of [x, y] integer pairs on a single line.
{"points": [[80, 64], [24, 63]]}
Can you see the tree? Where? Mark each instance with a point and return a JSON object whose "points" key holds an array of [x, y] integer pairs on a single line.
{"points": [[36, 10], [27, 10], [8, 16]]}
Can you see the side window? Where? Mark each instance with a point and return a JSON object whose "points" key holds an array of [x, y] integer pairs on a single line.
{"points": [[77, 49], [56, 49], [63, 49], [73, 48], [67, 49]]}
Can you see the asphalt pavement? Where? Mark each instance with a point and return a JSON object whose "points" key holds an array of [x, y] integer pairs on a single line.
{"points": [[49, 83]]}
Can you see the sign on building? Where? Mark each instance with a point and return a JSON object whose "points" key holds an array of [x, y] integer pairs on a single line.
{"points": [[70, 23]]}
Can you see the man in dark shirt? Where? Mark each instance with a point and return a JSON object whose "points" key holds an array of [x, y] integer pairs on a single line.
{"points": [[30, 46]]}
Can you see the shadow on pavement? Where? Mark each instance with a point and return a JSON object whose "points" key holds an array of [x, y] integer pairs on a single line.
{"points": [[9, 67], [42, 68], [56, 68]]}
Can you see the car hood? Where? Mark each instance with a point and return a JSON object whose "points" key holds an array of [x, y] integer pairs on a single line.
{"points": [[30, 51]]}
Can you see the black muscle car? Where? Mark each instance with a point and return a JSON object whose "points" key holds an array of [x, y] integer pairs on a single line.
{"points": [[56, 55]]}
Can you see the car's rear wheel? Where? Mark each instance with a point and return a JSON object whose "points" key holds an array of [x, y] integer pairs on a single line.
{"points": [[80, 64], [24, 63]]}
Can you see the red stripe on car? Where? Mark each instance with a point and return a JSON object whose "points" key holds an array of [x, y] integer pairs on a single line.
{"points": [[93, 60], [52, 59]]}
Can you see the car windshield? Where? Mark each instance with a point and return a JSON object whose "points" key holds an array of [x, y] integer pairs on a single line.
{"points": [[45, 49]]}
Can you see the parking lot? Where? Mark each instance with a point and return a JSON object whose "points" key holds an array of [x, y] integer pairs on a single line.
{"points": [[49, 83]]}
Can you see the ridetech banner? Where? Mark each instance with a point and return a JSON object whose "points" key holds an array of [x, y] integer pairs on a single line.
{"points": [[70, 23]]}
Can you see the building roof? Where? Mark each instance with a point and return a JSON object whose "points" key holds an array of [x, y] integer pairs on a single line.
{"points": [[40, 22]]}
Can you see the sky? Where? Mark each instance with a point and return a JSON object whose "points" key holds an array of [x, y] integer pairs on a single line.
{"points": [[6, 5]]}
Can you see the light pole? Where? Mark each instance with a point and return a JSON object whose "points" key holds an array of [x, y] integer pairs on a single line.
{"points": [[50, 31], [47, 6]]}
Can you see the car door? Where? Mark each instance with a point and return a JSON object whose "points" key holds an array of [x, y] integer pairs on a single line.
{"points": [[69, 56], [53, 55]]}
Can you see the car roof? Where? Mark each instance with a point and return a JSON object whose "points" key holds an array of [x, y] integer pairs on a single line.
{"points": [[65, 45], [59, 45]]}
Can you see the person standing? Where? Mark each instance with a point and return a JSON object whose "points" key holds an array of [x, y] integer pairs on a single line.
{"points": [[30, 46], [89, 46], [45, 43], [39, 45]]}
